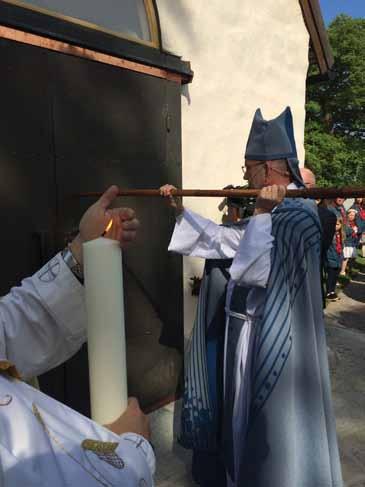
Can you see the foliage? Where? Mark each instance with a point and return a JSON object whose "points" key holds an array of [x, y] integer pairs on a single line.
{"points": [[335, 126]]}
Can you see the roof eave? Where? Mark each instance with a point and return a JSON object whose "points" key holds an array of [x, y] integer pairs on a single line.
{"points": [[318, 35]]}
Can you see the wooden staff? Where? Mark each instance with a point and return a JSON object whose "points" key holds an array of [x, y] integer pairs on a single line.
{"points": [[315, 193]]}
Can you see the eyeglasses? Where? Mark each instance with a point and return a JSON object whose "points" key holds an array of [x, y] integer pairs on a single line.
{"points": [[251, 166]]}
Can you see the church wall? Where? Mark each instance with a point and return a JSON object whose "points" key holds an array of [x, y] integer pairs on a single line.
{"points": [[244, 55]]}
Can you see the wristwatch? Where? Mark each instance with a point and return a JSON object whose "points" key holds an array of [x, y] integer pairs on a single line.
{"points": [[72, 264]]}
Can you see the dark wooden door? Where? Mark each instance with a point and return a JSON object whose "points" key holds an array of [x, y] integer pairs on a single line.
{"points": [[120, 127], [27, 170], [108, 126]]}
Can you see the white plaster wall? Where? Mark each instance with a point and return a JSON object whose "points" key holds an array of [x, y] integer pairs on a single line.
{"points": [[245, 54]]}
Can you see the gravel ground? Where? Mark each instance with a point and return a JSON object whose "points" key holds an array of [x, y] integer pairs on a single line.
{"points": [[345, 321]]}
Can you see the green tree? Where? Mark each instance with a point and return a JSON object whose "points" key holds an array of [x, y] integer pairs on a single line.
{"points": [[335, 125]]}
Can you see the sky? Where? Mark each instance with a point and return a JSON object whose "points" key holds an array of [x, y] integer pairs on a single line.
{"points": [[331, 8]]}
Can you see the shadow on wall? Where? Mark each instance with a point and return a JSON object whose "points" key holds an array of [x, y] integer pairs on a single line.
{"points": [[186, 93]]}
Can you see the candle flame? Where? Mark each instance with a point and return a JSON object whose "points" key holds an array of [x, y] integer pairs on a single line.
{"points": [[110, 224]]}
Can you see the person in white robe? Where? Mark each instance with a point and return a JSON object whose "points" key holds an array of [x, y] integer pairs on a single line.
{"points": [[249, 245], [42, 324]]}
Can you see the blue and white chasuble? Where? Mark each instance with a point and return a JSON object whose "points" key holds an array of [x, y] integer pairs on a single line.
{"points": [[291, 439], [272, 418]]}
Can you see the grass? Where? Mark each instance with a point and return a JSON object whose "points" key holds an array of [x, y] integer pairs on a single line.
{"points": [[354, 272], [343, 280], [358, 266], [360, 263]]}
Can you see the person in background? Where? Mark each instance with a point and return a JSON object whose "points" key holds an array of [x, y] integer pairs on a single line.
{"points": [[328, 224], [340, 209], [352, 240], [334, 258], [308, 177], [359, 206], [327, 219], [236, 208]]}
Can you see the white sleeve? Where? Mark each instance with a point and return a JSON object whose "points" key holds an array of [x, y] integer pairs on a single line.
{"points": [[197, 236], [252, 262], [140, 459], [42, 322]]}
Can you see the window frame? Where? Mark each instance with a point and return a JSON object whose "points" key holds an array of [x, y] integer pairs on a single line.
{"points": [[151, 14]]}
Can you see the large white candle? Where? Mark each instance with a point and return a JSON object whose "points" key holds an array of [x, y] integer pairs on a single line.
{"points": [[106, 332]]}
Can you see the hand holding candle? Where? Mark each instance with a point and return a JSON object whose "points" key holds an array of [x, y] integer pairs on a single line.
{"points": [[98, 216], [102, 260]]}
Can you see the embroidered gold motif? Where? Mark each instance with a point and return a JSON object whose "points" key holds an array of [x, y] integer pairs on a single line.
{"points": [[100, 478], [99, 446], [9, 368], [37, 414], [105, 451]]}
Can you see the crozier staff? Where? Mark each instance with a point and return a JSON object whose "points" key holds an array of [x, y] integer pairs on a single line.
{"points": [[42, 324]]}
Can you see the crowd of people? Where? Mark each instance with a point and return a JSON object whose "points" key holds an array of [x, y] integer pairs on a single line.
{"points": [[343, 235], [347, 243]]}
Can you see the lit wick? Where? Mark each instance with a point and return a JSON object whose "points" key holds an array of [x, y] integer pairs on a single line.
{"points": [[110, 224], [108, 227]]}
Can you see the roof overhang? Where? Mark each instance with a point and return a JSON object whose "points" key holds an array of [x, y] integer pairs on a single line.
{"points": [[318, 35]]}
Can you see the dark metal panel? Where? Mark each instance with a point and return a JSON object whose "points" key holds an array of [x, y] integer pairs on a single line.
{"points": [[120, 127], [27, 209]]}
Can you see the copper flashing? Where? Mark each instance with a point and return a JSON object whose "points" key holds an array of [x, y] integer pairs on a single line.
{"points": [[318, 35], [73, 50]]}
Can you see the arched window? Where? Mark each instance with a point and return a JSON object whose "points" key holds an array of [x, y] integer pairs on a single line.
{"points": [[132, 19]]}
